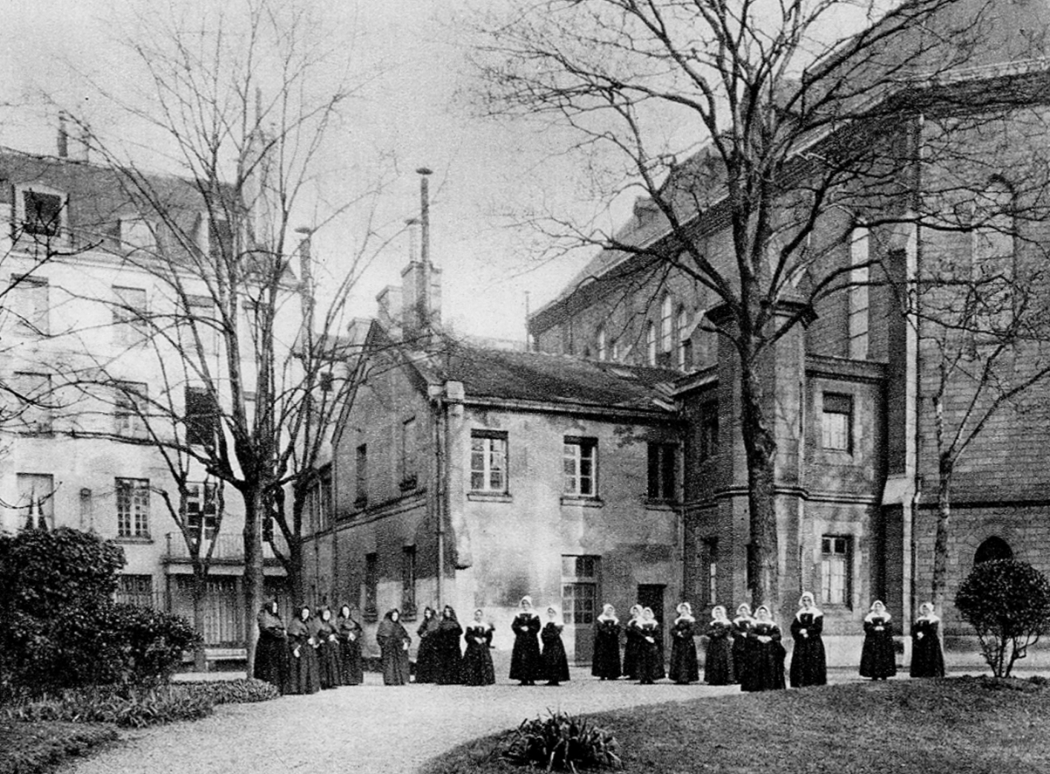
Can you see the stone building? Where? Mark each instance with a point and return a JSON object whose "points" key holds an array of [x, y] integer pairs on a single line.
{"points": [[77, 291], [859, 386]]}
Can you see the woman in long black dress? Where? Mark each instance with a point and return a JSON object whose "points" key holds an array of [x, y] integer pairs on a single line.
{"points": [[809, 664], [650, 652], [606, 660], [302, 652], [349, 632], [741, 626], [449, 656], [426, 655], [718, 663], [525, 665], [271, 652], [877, 659], [327, 649], [927, 658], [765, 669], [555, 663], [632, 643], [477, 661], [393, 643], [684, 666]]}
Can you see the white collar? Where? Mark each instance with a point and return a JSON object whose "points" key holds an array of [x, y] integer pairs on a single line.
{"points": [[873, 615], [812, 611]]}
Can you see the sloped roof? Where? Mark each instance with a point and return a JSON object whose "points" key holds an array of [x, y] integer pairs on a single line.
{"points": [[534, 376]]}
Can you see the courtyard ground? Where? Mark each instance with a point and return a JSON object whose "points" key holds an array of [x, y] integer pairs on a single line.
{"points": [[368, 728]]}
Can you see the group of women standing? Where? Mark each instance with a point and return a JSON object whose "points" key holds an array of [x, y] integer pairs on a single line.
{"points": [[317, 651], [313, 652]]}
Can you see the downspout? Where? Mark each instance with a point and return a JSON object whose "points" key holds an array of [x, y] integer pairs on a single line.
{"points": [[440, 482], [912, 280]]}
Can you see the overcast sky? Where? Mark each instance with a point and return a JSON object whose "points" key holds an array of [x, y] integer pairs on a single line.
{"points": [[481, 170]]}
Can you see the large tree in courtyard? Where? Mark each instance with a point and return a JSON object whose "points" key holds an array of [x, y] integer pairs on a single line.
{"points": [[804, 131]]}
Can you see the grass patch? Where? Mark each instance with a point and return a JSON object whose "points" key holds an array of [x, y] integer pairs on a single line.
{"points": [[952, 726], [30, 748]]}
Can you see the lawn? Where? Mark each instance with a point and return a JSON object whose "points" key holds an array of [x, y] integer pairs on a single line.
{"points": [[27, 748], [952, 726]]}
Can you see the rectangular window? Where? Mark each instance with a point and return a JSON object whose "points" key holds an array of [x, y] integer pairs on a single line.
{"points": [[36, 501], [835, 569], [708, 441], [130, 316], [202, 509], [199, 324], [372, 586], [408, 454], [324, 497], [858, 294], [710, 565], [42, 213], [130, 409], [579, 589], [33, 399], [837, 422], [201, 416], [135, 590], [29, 302], [666, 332], [488, 461], [361, 473], [662, 458], [581, 466], [132, 507], [408, 581]]}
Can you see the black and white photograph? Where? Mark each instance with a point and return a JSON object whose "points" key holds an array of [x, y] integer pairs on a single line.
{"points": [[448, 386]]}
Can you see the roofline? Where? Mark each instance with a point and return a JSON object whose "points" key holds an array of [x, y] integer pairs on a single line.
{"points": [[575, 409]]}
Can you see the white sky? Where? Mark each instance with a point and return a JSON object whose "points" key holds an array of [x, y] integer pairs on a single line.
{"points": [[480, 168]]}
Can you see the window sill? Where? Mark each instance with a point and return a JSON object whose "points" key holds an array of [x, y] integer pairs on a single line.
{"points": [[408, 484], [660, 505], [134, 539], [490, 497], [582, 501]]}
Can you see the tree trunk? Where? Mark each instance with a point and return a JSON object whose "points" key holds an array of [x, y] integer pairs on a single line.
{"points": [[760, 447], [254, 507], [200, 589], [940, 543]]}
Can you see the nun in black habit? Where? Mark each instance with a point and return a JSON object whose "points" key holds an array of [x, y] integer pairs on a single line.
{"points": [[741, 626], [765, 668], [927, 658], [877, 659], [449, 656], [327, 649], [718, 663], [808, 659], [271, 652], [477, 661], [348, 630], [605, 663], [555, 663], [302, 650], [632, 643], [684, 666], [650, 649], [426, 655], [525, 665], [393, 643]]}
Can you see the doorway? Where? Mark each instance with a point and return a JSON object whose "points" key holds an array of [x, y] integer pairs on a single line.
{"points": [[651, 595], [579, 599]]}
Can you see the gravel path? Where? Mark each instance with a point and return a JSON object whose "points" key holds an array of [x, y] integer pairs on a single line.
{"points": [[363, 728]]}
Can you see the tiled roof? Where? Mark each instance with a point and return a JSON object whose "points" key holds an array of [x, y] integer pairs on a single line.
{"points": [[534, 376]]}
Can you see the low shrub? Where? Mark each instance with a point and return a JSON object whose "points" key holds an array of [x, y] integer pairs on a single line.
{"points": [[125, 707], [561, 742], [236, 691]]}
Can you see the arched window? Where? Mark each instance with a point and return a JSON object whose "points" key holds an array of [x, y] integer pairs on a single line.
{"points": [[857, 296], [650, 343], [602, 346], [991, 549], [666, 332]]}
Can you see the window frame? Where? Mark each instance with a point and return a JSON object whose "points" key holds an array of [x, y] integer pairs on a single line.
{"points": [[709, 437], [44, 517], [370, 609], [666, 324], [22, 233], [577, 577], [26, 290], [585, 451], [832, 404], [661, 472], [34, 417], [361, 475], [133, 520], [130, 320], [834, 557], [489, 453], [129, 416], [205, 496]]}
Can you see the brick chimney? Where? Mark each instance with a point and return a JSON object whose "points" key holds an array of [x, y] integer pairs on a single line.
{"points": [[421, 280]]}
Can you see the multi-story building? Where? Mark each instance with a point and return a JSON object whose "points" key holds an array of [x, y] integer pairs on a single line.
{"points": [[90, 380]]}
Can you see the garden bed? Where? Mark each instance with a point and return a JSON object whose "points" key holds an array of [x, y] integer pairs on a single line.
{"points": [[951, 726], [30, 748]]}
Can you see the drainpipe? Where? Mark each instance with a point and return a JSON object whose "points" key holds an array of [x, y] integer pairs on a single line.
{"points": [[437, 397]]}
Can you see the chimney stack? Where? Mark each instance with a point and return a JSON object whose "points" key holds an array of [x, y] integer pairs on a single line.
{"points": [[421, 280]]}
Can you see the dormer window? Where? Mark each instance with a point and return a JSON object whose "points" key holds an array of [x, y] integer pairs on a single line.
{"points": [[40, 212]]}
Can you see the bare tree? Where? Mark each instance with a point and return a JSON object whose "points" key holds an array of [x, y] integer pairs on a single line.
{"points": [[244, 104], [761, 137]]}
